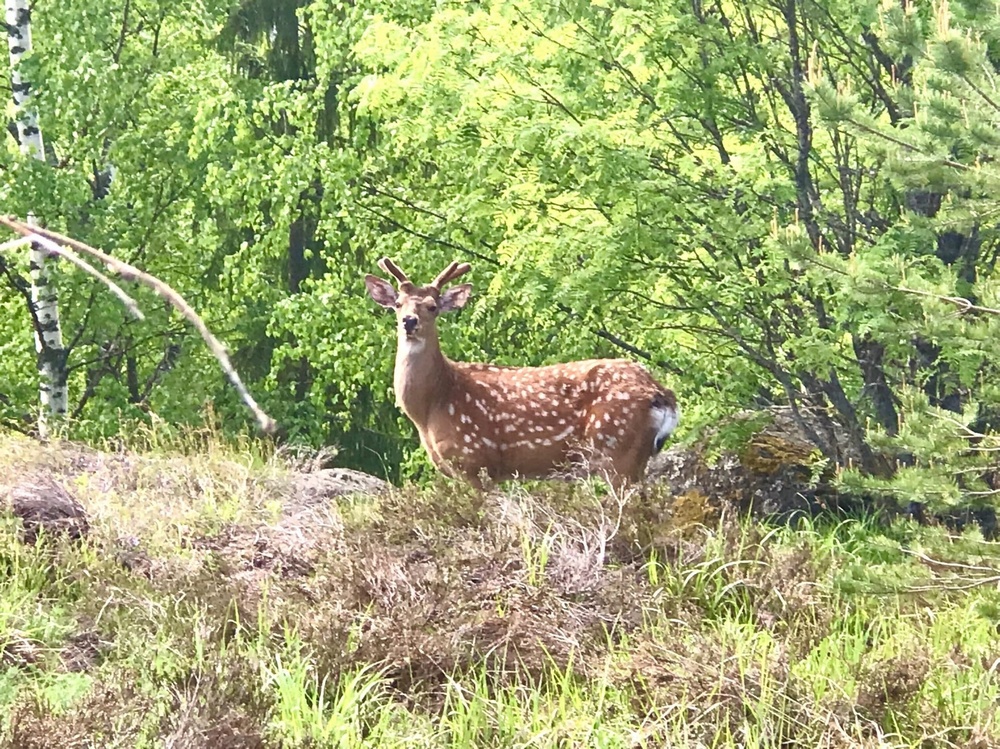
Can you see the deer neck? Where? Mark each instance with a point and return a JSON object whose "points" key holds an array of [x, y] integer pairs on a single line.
{"points": [[422, 378]]}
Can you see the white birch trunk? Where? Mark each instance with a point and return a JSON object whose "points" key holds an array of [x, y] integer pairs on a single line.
{"points": [[48, 333]]}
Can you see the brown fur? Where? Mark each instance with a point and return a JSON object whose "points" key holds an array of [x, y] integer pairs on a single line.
{"points": [[595, 416]]}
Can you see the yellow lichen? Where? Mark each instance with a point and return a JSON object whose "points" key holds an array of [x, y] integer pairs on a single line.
{"points": [[769, 454], [693, 508]]}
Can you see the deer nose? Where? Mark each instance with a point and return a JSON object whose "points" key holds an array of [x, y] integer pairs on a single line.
{"points": [[409, 323]]}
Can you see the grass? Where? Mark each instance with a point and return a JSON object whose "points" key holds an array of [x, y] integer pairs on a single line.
{"points": [[208, 607]]}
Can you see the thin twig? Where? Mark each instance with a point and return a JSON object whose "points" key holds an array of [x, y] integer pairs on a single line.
{"points": [[963, 584], [131, 273], [951, 565], [964, 304]]}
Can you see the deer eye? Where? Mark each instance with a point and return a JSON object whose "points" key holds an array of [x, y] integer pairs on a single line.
{"points": [[432, 307]]}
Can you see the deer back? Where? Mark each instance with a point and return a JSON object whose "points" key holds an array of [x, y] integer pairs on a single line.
{"points": [[600, 415]]}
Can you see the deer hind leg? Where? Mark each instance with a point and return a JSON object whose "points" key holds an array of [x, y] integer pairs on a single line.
{"points": [[604, 430], [628, 451]]}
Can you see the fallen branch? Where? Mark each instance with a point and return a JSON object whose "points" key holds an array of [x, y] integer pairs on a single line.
{"points": [[131, 273], [80, 263]]}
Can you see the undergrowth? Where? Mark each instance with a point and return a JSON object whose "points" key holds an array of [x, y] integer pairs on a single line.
{"points": [[209, 606]]}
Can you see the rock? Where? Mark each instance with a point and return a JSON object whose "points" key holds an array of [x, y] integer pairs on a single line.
{"points": [[308, 526], [778, 472], [45, 506], [307, 490]]}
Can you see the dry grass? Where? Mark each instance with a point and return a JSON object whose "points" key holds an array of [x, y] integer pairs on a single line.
{"points": [[213, 604]]}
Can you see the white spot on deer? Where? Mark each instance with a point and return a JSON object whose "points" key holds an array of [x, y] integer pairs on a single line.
{"points": [[464, 418], [468, 397], [564, 433], [612, 441], [621, 431], [597, 424], [547, 443], [451, 409], [489, 443], [468, 438]]}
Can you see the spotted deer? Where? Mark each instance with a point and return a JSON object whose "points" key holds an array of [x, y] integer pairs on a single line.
{"points": [[606, 416]]}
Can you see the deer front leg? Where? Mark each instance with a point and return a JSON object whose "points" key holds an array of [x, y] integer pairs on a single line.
{"points": [[448, 458]]}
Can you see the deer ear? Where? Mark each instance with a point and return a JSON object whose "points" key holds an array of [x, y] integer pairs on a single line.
{"points": [[455, 297], [381, 291]]}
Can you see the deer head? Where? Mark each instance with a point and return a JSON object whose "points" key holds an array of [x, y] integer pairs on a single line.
{"points": [[417, 307]]}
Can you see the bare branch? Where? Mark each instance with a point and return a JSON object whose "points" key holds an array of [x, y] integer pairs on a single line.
{"points": [[131, 273], [961, 302], [54, 249]]}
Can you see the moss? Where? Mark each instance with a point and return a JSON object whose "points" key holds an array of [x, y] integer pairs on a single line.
{"points": [[770, 454], [693, 508]]}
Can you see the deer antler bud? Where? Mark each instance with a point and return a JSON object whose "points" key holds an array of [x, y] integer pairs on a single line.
{"points": [[393, 270], [450, 273]]}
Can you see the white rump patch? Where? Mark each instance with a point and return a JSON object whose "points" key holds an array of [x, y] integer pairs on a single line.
{"points": [[665, 421]]}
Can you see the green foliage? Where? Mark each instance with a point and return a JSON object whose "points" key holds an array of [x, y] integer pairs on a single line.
{"points": [[769, 205]]}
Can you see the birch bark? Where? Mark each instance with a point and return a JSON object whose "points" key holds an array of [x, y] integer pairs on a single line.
{"points": [[53, 395]]}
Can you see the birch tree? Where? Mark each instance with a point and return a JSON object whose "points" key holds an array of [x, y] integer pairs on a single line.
{"points": [[44, 297]]}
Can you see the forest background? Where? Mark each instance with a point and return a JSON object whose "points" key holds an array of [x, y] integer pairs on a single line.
{"points": [[786, 202]]}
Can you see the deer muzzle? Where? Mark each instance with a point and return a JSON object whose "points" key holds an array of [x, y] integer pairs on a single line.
{"points": [[410, 324]]}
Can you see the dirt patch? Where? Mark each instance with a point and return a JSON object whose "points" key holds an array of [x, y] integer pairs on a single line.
{"points": [[45, 507], [309, 490]]}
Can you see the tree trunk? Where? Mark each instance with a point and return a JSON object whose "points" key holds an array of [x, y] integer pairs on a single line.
{"points": [[48, 334]]}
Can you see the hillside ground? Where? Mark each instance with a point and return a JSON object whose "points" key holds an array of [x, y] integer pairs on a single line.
{"points": [[213, 603]]}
